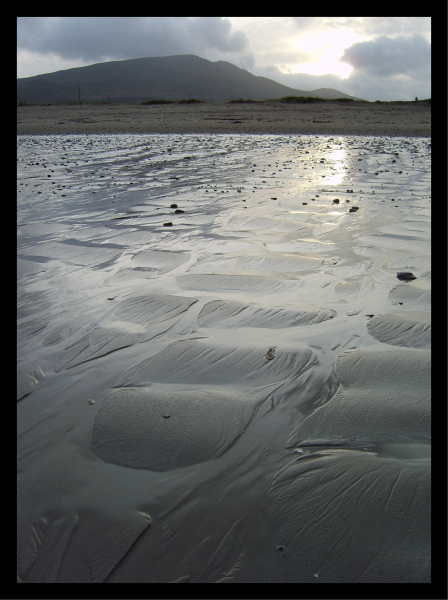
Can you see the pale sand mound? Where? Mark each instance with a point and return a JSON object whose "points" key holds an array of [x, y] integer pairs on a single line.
{"points": [[77, 253], [385, 397], [236, 283], [348, 516], [411, 296], [203, 362], [412, 329], [162, 260], [229, 313], [143, 429], [258, 265]]}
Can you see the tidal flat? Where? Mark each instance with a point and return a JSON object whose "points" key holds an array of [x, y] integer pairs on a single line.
{"points": [[223, 374]]}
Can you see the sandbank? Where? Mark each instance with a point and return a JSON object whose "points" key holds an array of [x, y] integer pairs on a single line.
{"points": [[326, 118]]}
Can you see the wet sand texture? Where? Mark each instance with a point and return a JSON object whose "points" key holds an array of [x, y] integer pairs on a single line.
{"points": [[242, 396], [311, 491], [54, 536]]}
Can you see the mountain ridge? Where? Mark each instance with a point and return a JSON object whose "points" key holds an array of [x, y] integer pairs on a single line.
{"points": [[153, 78]]}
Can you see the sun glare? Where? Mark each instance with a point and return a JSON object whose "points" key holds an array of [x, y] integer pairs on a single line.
{"points": [[328, 48]]}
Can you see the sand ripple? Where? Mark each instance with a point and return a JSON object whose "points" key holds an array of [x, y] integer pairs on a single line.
{"points": [[384, 396], [97, 342], [410, 328], [152, 309], [203, 362], [235, 283], [230, 313], [349, 487]]}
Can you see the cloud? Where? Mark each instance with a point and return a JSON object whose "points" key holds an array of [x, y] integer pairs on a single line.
{"points": [[365, 26], [389, 57], [305, 81], [115, 38]]}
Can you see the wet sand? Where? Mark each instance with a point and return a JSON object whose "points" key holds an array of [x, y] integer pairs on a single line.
{"points": [[223, 374], [332, 118]]}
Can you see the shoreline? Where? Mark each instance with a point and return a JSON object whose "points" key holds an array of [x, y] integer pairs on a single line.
{"points": [[326, 118]]}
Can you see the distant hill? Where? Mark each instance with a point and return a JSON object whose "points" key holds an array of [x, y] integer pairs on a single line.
{"points": [[155, 78]]}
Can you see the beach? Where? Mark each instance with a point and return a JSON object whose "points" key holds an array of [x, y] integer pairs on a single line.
{"points": [[326, 118], [224, 343]]}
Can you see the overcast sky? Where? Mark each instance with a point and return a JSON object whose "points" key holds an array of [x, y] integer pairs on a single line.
{"points": [[375, 58]]}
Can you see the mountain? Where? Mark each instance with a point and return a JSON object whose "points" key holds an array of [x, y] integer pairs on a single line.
{"points": [[156, 78]]}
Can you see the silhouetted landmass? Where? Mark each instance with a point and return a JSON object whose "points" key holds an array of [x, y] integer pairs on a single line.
{"points": [[152, 79]]}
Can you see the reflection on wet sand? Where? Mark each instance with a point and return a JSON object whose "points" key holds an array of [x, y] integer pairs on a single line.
{"points": [[242, 396]]}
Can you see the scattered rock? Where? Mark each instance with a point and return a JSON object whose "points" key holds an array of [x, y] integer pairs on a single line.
{"points": [[353, 209], [173, 206], [404, 276], [270, 353], [169, 224], [336, 201], [178, 211]]}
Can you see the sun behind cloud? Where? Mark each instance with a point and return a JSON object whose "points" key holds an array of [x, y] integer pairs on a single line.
{"points": [[327, 47]]}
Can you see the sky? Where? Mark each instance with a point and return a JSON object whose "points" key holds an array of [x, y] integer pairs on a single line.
{"points": [[374, 58]]}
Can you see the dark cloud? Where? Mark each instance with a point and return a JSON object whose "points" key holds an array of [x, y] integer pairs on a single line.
{"points": [[114, 38], [389, 57]]}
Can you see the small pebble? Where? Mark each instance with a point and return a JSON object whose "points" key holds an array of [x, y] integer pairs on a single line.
{"points": [[404, 276]]}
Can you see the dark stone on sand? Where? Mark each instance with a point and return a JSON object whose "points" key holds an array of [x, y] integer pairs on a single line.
{"points": [[405, 276], [178, 211], [169, 224], [173, 205], [353, 209], [336, 201]]}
